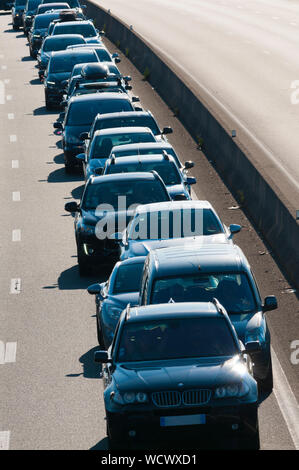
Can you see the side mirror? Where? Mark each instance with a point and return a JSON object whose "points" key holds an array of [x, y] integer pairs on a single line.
{"points": [[135, 99], [102, 33], [138, 108], [98, 171], [101, 357], [270, 303], [128, 87], [57, 125], [179, 197], [84, 136], [235, 228], [71, 206], [117, 60], [191, 180], [252, 347], [167, 130], [114, 55], [63, 103], [94, 289], [189, 165], [81, 157]]}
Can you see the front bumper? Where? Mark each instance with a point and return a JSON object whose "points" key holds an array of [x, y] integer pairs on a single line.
{"points": [[54, 96], [70, 153], [17, 20], [236, 421], [100, 251]]}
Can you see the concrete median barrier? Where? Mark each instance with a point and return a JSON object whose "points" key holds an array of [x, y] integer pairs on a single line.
{"points": [[270, 212]]}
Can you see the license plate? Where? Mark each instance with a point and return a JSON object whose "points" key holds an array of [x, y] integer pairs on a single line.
{"points": [[186, 420]]}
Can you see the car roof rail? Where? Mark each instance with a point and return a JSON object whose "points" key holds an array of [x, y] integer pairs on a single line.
{"points": [[219, 307]]}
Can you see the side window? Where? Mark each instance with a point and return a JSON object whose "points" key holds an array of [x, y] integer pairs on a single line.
{"points": [[143, 283], [144, 292], [256, 286], [114, 340]]}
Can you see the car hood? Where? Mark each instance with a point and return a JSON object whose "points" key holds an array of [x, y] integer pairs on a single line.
{"points": [[142, 248], [58, 77], [71, 132], [167, 375], [122, 300], [119, 220], [246, 322]]}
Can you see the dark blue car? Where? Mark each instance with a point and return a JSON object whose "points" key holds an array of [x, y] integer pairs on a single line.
{"points": [[178, 371]]}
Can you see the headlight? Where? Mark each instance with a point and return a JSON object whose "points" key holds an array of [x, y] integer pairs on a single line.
{"points": [[255, 335], [51, 84], [36, 35], [129, 398], [232, 390], [87, 229]]}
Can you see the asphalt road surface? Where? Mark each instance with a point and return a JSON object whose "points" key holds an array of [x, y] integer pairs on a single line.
{"points": [[50, 389], [242, 56]]}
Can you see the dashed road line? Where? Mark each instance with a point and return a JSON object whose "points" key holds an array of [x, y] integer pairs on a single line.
{"points": [[11, 116], [15, 286], [3, 67], [12, 138], [15, 163], [16, 196], [9, 97], [4, 440], [10, 352], [16, 235]]}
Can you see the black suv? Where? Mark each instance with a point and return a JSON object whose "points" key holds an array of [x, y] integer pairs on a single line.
{"points": [[178, 371], [107, 204]]}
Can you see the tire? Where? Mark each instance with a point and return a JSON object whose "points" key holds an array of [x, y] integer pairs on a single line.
{"points": [[100, 335], [266, 385], [252, 442], [84, 269], [48, 105], [69, 169], [115, 441]]}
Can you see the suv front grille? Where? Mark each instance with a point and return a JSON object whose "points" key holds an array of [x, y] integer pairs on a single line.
{"points": [[168, 399]]}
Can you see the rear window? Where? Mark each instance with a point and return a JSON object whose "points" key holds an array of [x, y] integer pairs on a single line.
{"points": [[129, 121], [84, 112], [87, 30], [59, 44], [128, 278], [65, 63], [32, 4], [147, 151], [167, 170], [176, 339], [101, 145]]}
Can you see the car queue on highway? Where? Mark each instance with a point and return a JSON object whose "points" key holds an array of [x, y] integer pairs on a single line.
{"points": [[185, 345]]}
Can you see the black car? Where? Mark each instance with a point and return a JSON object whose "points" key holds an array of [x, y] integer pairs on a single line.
{"points": [[38, 31], [178, 371], [16, 13], [106, 207], [29, 13], [59, 69], [86, 28], [80, 114], [54, 44]]}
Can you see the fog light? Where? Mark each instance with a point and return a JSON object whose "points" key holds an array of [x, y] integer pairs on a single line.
{"points": [[132, 433], [235, 427], [90, 251]]}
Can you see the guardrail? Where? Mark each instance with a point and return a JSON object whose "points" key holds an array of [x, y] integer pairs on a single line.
{"points": [[268, 210]]}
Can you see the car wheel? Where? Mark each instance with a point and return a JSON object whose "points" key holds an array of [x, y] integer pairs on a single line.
{"points": [[266, 385], [115, 440], [69, 169], [84, 269], [49, 106], [252, 442], [100, 335]]}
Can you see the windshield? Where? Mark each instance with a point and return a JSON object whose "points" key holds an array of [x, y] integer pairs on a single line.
{"points": [[128, 278], [167, 170], [56, 6], [176, 339], [59, 44], [128, 121], [20, 3], [87, 30], [147, 151], [83, 113], [168, 224], [232, 290], [65, 63], [43, 21], [120, 195], [101, 145]]}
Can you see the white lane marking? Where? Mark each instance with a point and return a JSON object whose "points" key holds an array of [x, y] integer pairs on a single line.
{"points": [[10, 353], [3, 67], [4, 440], [16, 196], [232, 116], [13, 138], [6, 81], [1, 56], [286, 399], [15, 163], [16, 235], [9, 97], [15, 286], [11, 116]]}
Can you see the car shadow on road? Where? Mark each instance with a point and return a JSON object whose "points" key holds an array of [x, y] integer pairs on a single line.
{"points": [[35, 81], [42, 111], [91, 370], [59, 176], [27, 59], [77, 192], [71, 280], [59, 159]]}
